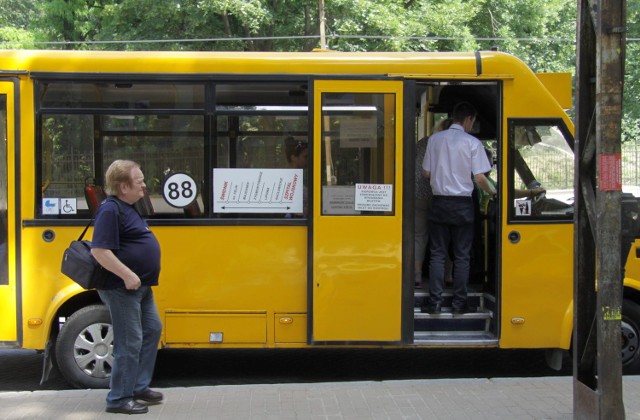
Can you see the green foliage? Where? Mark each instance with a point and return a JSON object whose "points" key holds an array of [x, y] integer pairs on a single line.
{"points": [[15, 19], [541, 32], [19, 38], [17, 14], [631, 104]]}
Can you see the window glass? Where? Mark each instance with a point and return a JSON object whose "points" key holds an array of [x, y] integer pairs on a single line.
{"points": [[541, 159], [249, 144], [262, 144], [121, 95], [67, 160], [265, 97], [358, 146], [77, 149], [84, 126]]}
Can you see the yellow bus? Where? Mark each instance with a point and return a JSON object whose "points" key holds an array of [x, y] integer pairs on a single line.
{"points": [[257, 254]]}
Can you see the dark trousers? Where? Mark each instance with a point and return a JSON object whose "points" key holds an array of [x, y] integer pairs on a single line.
{"points": [[451, 227]]}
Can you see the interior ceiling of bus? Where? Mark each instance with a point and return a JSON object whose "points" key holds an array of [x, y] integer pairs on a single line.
{"points": [[484, 97]]}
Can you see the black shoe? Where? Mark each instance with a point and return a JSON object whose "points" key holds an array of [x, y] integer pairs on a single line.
{"points": [[149, 396], [466, 309], [131, 407], [432, 308]]}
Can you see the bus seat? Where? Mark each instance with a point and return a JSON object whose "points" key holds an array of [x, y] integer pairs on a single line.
{"points": [[94, 194], [144, 205], [193, 209]]}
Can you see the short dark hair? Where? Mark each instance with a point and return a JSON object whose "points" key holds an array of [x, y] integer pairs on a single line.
{"points": [[463, 110], [293, 147]]}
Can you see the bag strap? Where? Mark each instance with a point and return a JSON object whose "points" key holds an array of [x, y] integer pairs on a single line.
{"points": [[91, 221], [85, 230]]}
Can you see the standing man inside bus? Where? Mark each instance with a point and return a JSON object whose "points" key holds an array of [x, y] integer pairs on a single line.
{"points": [[123, 244], [453, 156]]}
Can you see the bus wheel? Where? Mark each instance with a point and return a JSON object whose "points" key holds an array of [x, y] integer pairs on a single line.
{"points": [[630, 337], [84, 348]]}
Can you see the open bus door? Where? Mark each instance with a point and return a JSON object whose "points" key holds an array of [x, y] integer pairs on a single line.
{"points": [[9, 290], [537, 236], [357, 212]]}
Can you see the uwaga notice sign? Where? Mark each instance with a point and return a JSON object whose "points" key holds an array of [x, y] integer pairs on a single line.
{"points": [[374, 197], [257, 190]]}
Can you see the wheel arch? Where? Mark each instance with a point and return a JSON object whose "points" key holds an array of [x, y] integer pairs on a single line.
{"points": [[631, 290], [65, 304], [67, 301]]}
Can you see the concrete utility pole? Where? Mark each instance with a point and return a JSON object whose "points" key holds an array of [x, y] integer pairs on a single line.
{"points": [[597, 364], [323, 39]]}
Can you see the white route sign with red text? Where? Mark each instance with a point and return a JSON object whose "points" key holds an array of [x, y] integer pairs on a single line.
{"points": [[241, 190]]}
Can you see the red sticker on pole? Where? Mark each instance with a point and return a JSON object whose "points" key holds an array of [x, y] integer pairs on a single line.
{"points": [[610, 172]]}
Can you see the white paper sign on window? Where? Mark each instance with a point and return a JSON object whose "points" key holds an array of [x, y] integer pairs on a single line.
{"points": [[240, 190], [374, 197], [358, 132]]}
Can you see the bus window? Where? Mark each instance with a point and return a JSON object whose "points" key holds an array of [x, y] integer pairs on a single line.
{"points": [[4, 279], [252, 122], [540, 156], [86, 126], [357, 151]]}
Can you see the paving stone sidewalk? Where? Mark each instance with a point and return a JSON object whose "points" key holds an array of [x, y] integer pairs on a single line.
{"points": [[500, 398]]}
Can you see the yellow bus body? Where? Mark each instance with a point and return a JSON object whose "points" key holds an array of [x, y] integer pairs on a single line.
{"points": [[342, 280]]}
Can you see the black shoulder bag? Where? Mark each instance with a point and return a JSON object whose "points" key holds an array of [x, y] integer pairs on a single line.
{"points": [[80, 266]]}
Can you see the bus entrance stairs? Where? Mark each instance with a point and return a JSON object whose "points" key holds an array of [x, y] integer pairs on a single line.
{"points": [[448, 329]]}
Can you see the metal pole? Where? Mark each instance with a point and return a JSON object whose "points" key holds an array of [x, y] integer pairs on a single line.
{"points": [[598, 293]]}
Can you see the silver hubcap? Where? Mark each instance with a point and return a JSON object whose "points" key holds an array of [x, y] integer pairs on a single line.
{"points": [[93, 350], [630, 342]]}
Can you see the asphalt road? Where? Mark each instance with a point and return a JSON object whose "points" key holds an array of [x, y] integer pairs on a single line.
{"points": [[20, 370]]}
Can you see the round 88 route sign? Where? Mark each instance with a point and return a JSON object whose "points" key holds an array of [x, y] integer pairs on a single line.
{"points": [[179, 190]]}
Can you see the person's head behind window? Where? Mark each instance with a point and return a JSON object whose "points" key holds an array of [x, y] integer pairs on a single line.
{"points": [[297, 152]]}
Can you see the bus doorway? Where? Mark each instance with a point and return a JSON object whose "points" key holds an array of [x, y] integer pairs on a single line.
{"points": [[357, 212], [434, 103]]}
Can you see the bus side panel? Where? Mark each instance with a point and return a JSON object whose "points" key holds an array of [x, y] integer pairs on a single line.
{"points": [[43, 283], [539, 290], [217, 271], [235, 280]]}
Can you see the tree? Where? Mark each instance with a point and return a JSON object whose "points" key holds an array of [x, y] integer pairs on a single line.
{"points": [[70, 21], [631, 104], [15, 22], [540, 32]]}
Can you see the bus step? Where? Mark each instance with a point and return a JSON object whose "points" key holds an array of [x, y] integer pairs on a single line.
{"points": [[454, 338], [475, 299], [479, 321], [480, 313]]}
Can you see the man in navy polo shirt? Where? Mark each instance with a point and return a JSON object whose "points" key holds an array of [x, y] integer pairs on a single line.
{"points": [[123, 244]]}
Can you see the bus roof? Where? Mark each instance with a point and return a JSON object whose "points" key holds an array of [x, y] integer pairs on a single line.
{"points": [[483, 64]]}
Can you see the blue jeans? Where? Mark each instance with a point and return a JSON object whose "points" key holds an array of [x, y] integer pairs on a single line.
{"points": [[451, 226], [136, 334]]}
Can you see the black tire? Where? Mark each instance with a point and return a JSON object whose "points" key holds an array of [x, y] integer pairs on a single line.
{"points": [[84, 348], [630, 337]]}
